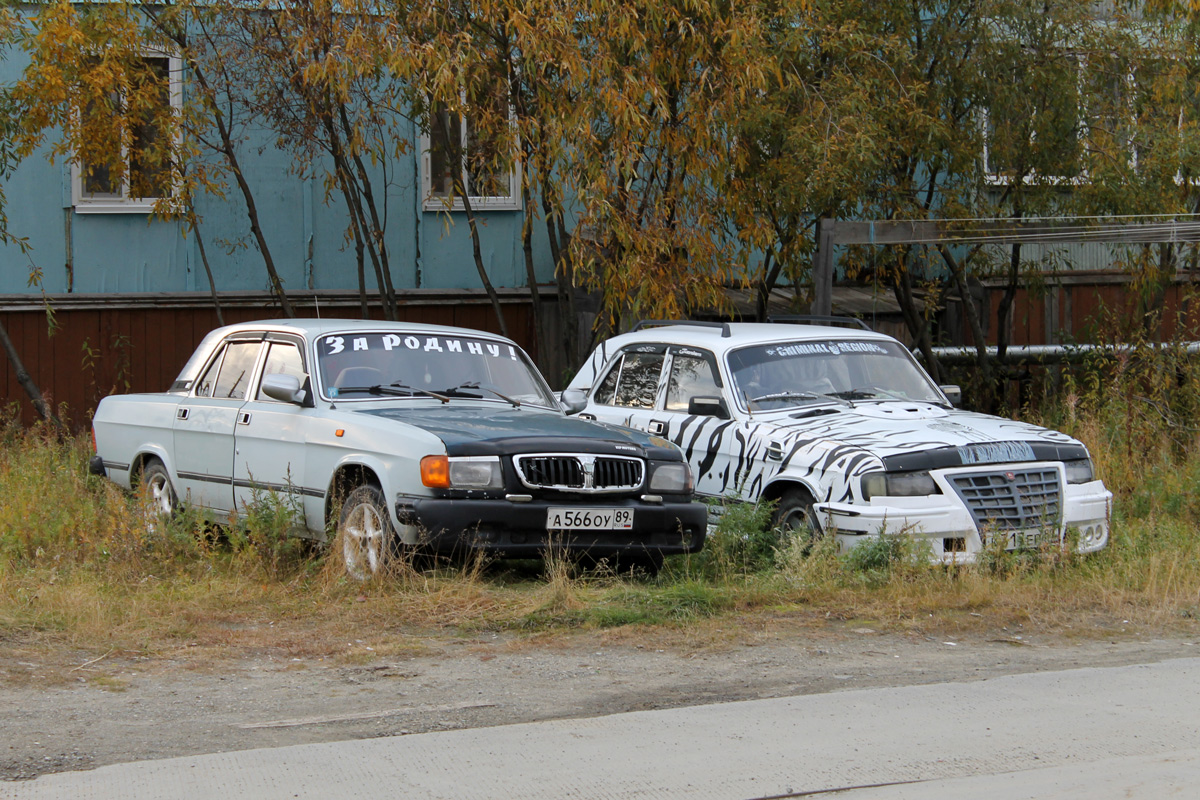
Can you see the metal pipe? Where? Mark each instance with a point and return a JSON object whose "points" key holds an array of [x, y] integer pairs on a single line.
{"points": [[1057, 353]]}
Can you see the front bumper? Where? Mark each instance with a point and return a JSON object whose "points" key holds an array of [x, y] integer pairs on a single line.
{"points": [[946, 522], [518, 529]]}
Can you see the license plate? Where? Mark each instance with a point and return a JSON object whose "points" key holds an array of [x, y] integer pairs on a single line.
{"points": [[1026, 540], [589, 519]]}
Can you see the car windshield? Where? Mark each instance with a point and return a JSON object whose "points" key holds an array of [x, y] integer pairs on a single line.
{"points": [[788, 374], [381, 364]]}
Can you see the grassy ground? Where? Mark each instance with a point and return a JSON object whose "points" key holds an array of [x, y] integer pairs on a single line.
{"points": [[81, 569]]}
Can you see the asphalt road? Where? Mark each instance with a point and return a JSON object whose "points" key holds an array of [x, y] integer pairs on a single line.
{"points": [[1119, 732]]}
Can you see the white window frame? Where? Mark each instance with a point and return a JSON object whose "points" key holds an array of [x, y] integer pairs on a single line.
{"points": [[84, 203], [1179, 121], [432, 202], [992, 178]]}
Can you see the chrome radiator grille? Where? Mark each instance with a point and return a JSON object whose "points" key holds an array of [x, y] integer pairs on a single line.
{"points": [[1016, 500], [580, 472]]}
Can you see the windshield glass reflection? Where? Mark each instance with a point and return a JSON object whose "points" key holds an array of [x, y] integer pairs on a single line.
{"points": [[788, 374], [370, 365]]}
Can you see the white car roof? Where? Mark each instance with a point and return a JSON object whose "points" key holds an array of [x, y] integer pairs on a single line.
{"points": [[312, 329], [319, 327], [740, 334]]}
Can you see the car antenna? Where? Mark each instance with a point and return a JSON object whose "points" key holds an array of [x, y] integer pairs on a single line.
{"points": [[317, 304]]}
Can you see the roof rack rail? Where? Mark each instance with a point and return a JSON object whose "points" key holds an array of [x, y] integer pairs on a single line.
{"points": [[657, 323], [811, 319]]}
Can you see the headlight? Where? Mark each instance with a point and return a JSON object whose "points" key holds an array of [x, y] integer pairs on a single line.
{"points": [[466, 472], [673, 478], [1080, 471], [898, 484]]}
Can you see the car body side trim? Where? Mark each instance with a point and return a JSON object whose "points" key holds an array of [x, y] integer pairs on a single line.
{"points": [[244, 484]]}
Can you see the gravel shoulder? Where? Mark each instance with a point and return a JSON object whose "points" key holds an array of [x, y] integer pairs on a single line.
{"points": [[70, 711]]}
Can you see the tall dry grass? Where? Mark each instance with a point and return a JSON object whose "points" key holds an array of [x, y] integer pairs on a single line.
{"points": [[80, 567]]}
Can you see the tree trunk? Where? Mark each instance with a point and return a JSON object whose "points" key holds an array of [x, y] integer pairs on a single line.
{"points": [[477, 254], [194, 223], [1005, 310], [230, 152], [362, 278], [531, 276], [771, 270], [1164, 275], [964, 291], [461, 191], [564, 278], [35, 396], [913, 318]]}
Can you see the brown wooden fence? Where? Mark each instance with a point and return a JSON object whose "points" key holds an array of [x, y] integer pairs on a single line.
{"points": [[103, 344], [1094, 307]]}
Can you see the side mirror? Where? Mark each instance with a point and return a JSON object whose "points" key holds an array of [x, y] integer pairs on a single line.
{"points": [[708, 407], [573, 400], [953, 394], [284, 388]]}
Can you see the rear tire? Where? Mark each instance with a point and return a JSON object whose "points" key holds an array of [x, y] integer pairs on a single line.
{"points": [[159, 494], [365, 528]]}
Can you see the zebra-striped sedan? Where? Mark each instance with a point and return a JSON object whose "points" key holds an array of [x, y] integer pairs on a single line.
{"points": [[846, 432]]}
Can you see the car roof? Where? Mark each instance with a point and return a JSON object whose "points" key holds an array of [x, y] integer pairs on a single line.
{"points": [[312, 329], [319, 327], [713, 337]]}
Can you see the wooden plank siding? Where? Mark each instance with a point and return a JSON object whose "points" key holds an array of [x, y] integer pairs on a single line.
{"points": [[125, 344], [1099, 306]]}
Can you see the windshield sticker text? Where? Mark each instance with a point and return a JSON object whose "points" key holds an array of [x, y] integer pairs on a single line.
{"points": [[428, 344], [825, 349]]}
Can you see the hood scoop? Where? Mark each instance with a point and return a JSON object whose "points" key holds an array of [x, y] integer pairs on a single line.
{"points": [[815, 412], [898, 410]]}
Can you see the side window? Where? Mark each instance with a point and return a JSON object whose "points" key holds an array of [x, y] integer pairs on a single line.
{"points": [[608, 386], [633, 382], [236, 367], [283, 359], [691, 376], [204, 386]]}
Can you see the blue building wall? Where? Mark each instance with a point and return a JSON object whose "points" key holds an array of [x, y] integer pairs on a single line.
{"points": [[123, 253]]}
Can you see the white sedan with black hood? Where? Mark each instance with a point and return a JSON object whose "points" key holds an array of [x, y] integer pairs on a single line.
{"points": [[397, 433], [846, 433]]}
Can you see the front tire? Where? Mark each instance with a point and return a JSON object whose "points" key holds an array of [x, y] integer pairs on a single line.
{"points": [[365, 528], [795, 516]]}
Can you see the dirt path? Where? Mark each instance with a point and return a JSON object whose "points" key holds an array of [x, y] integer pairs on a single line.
{"points": [[63, 713]]}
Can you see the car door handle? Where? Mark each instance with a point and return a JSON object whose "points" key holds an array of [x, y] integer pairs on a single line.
{"points": [[182, 413], [244, 418], [656, 427]]}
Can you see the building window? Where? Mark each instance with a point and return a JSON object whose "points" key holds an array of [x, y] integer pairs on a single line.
{"points": [[1034, 126], [136, 172], [458, 157]]}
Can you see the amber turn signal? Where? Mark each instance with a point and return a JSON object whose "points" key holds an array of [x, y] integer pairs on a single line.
{"points": [[435, 472]]}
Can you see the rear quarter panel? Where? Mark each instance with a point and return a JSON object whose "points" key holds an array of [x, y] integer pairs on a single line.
{"points": [[132, 425]]}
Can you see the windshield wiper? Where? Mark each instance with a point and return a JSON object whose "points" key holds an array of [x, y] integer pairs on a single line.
{"points": [[868, 393], [451, 392], [790, 395], [393, 390]]}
